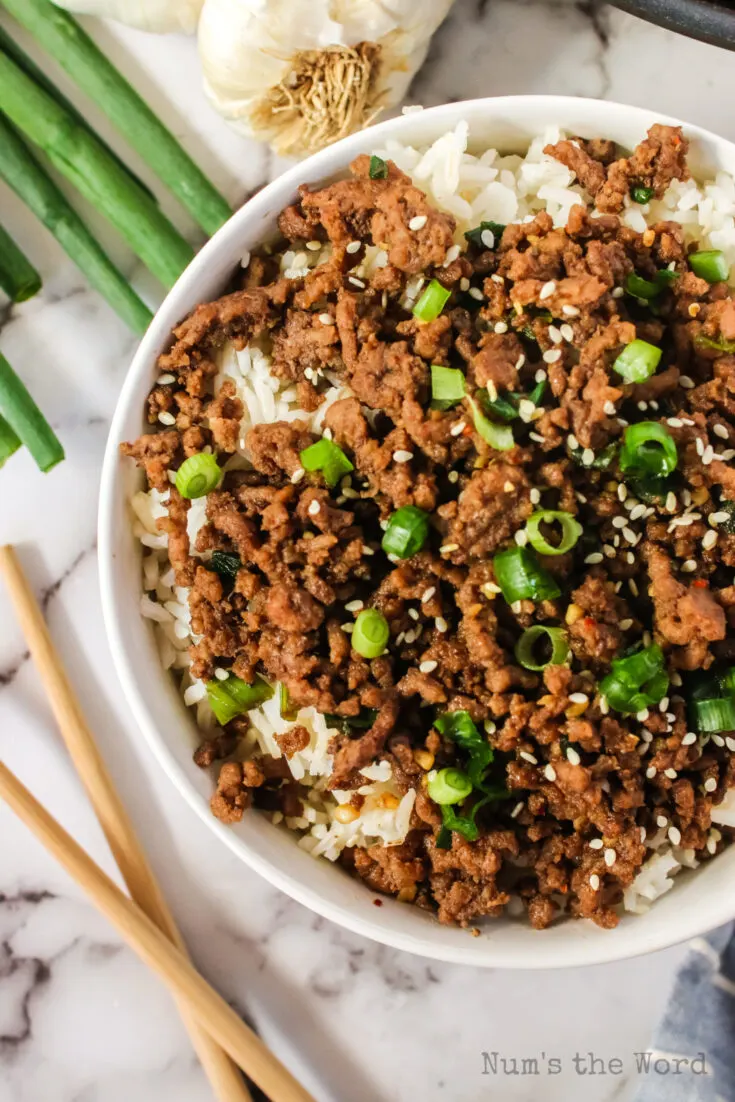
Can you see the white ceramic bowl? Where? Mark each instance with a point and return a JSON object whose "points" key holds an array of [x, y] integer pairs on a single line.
{"points": [[698, 902]]}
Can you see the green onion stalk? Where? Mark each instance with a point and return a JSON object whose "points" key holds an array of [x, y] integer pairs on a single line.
{"points": [[63, 38], [18, 278], [82, 158], [26, 422], [23, 173]]}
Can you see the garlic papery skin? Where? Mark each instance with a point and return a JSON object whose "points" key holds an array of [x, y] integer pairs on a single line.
{"points": [[300, 74], [160, 16]]}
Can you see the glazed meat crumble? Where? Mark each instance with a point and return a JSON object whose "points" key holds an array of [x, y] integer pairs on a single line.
{"points": [[544, 532]]}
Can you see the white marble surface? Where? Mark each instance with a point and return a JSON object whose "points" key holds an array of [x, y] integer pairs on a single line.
{"points": [[80, 1020]]}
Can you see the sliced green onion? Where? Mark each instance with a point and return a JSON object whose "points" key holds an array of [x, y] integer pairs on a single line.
{"points": [[600, 462], [639, 667], [504, 408], [406, 533], [638, 361], [497, 229], [9, 441], [716, 714], [727, 680], [227, 564], [198, 475], [525, 650], [18, 278], [649, 449], [710, 264], [728, 347], [639, 287], [460, 728], [371, 633], [346, 724], [642, 194], [571, 530], [637, 681], [449, 786], [26, 421], [447, 385], [327, 457], [521, 577], [537, 393], [232, 697], [432, 302], [499, 437], [286, 707], [378, 168]]}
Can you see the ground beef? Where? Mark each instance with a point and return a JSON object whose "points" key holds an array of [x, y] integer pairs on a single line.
{"points": [[535, 322]]}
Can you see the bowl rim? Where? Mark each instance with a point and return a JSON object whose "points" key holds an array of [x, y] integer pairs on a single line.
{"points": [[633, 938]]}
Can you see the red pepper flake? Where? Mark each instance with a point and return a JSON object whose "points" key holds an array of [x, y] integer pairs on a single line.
{"points": [[377, 903], [590, 622], [700, 583]]}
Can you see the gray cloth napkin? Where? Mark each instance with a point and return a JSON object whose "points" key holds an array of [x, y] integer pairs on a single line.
{"points": [[699, 1026]]}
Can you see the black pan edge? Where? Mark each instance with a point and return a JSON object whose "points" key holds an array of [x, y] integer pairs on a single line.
{"points": [[709, 22]]}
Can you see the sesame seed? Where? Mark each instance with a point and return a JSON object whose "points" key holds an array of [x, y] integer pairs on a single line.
{"points": [[402, 456], [353, 247], [688, 566], [418, 222], [520, 362], [721, 431], [441, 624], [552, 356], [625, 625], [619, 522], [617, 292], [490, 589], [517, 810], [578, 698], [570, 311], [464, 284], [516, 607], [547, 290], [674, 835], [313, 246], [428, 667], [651, 772], [537, 437], [550, 772], [221, 675], [356, 282], [689, 739], [671, 774], [663, 704], [588, 457], [567, 332], [730, 744], [447, 548], [508, 486], [637, 512], [451, 255], [534, 495], [166, 418], [410, 636], [699, 446], [594, 558], [497, 279], [428, 594], [572, 756], [366, 550], [642, 716], [554, 335], [165, 380], [314, 508], [348, 628], [501, 327], [604, 706], [642, 406], [528, 757], [521, 537], [476, 293], [661, 821], [609, 409], [633, 586], [453, 476], [488, 239], [594, 881], [708, 455], [572, 442], [458, 429], [492, 390], [709, 540], [622, 491], [298, 475], [610, 857], [526, 409], [718, 518], [596, 843], [412, 612], [686, 382], [629, 535], [539, 376], [710, 784]]}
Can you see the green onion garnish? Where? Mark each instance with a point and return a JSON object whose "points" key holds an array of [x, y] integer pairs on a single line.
{"points": [[600, 462], [327, 457], [26, 420], [432, 302], [460, 728], [714, 715], [480, 235], [521, 577], [727, 680], [198, 475], [371, 633], [571, 530], [9, 441], [636, 682], [449, 786], [378, 168], [648, 449], [227, 564], [346, 724], [639, 287], [525, 649], [447, 385], [499, 437], [406, 533], [710, 264], [232, 697], [286, 707], [722, 345], [638, 361], [642, 194]]}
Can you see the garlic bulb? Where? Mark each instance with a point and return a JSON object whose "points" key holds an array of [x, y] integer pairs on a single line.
{"points": [[149, 15], [302, 73]]}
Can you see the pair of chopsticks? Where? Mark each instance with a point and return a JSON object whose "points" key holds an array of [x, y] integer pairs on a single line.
{"points": [[221, 1039]]}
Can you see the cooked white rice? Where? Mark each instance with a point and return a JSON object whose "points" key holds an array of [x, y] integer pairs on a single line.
{"points": [[473, 188]]}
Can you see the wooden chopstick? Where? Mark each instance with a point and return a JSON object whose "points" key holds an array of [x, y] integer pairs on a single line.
{"points": [[227, 1082], [154, 948]]}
